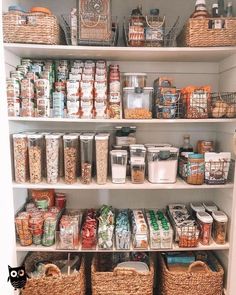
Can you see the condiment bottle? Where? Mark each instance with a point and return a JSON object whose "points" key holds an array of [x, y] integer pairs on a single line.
{"points": [[215, 10], [136, 28], [216, 24], [221, 4], [187, 147], [229, 11], [200, 10]]}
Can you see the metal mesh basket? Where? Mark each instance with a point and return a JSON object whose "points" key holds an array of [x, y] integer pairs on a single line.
{"points": [[223, 105], [168, 106], [151, 36], [188, 236], [93, 36]]}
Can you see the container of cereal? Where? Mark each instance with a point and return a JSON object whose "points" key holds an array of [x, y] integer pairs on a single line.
{"points": [[220, 221], [137, 163], [195, 169], [52, 157], [118, 165], [135, 80], [205, 221], [137, 102], [35, 149], [87, 158], [101, 141], [70, 157], [20, 150]]}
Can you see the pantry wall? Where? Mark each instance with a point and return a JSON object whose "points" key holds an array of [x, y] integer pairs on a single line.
{"points": [[220, 74]]}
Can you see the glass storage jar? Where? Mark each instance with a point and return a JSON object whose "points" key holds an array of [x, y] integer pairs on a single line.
{"points": [[137, 102], [35, 149], [101, 141], [205, 221], [70, 157], [195, 169], [137, 162], [52, 157], [118, 165], [220, 221], [86, 155]]}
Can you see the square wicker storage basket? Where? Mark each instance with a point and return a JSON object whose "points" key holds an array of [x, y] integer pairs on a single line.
{"points": [[122, 281], [31, 28], [73, 284], [191, 282], [198, 33]]}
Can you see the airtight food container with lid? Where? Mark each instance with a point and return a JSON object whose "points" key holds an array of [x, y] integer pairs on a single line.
{"points": [[196, 207], [220, 221], [135, 80], [205, 221], [210, 207]]}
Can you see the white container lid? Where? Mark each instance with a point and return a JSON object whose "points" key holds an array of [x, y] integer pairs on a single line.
{"points": [[118, 153], [135, 74], [35, 136], [19, 135], [220, 216], [52, 136], [137, 147], [133, 88], [204, 217], [137, 265], [197, 207], [87, 136], [70, 136], [148, 145], [210, 206], [102, 136], [200, 2], [159, 149]]}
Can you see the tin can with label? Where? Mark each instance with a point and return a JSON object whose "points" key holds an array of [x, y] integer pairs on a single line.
{"points": [[58, 104], [13, 105], [13, 88], [43, 107]]}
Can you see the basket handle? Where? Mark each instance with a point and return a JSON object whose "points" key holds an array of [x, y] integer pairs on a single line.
{"points": [[92, 26], [197, 264], [124, 271], [156, 27]]}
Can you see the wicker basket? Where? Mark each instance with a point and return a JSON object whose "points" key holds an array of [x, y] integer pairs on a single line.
{"points": [[190, 282], [73, 284], [31, 28], [197, 33], [122, 281]]}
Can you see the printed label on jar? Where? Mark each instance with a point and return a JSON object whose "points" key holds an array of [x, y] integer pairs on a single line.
{"points": [[115, 97], [125, 140], [194, 169]]}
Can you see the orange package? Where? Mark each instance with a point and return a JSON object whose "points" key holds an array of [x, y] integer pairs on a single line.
{"points": [[48, 194]]}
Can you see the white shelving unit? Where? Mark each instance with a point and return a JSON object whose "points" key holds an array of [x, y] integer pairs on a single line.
{"points": [[199, 66]]}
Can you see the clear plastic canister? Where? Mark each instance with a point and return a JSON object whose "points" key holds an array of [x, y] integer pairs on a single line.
{"points": [[70, 157], [86, 152], [205, 221], [196, 207], [118, 165], [52, 157], [35, 148], [137, 162], [102, 157], [20, 149], [220, 221]]}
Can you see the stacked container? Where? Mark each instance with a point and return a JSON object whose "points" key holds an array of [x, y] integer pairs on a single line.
{"points": [[101, 141], [35, 149], [86, 157], [137, 162], [70, 157]]}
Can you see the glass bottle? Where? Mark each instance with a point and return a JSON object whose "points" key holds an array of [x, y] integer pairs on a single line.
{"points": [[229, 11], [187, 147], [215, 10], [221, 4]]}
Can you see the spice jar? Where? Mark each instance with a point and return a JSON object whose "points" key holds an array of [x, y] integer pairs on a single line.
{"points": [[205, 221], [118, 165], [35, 148], [220, 221], [102, 157], [70, 157], [137, 162], [86, 155], [52, 157], [195, 169], [20, 149]]}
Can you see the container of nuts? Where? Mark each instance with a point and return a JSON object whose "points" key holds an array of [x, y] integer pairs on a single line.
{"points": [[101, 143], [35, 149], [52, 157], [86, 153], [20, 149], [137, 102], [70, 157], [137, 162]]}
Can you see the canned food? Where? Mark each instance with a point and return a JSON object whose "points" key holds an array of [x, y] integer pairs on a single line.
{"points": [[27, 88], [13, 105], [13, 88], [42, 88], [204, 146], [43, 107], [58, 104], [27, 107]]}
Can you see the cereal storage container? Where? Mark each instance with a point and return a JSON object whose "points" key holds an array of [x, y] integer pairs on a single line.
{"points": [[220, 221], [135, 80], [137, 102], [86, 155], [52, 157], [118, 165], [137, 162], [20, 150], [101, 141], [35, 149], [162, 164], [196, 207], [205, 221], [70, 157]]}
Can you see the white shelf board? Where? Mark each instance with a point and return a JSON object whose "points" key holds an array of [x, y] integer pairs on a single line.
{"points": [[212, 246], [118, 121], [180, 184], [178, 54]]}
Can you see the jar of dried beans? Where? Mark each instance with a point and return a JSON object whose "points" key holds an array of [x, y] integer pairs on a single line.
{"points": [[35, 148], [70, 157]]}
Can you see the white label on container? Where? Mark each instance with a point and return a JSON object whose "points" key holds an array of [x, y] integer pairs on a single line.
{"points": [[137, 160], [125, 140]]}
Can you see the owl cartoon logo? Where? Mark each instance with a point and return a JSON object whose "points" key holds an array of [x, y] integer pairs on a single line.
{"points": [[17, 276]]}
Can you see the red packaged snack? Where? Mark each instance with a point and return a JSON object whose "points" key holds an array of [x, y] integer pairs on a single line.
{"points": [[89, 230], [48, 194]]}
